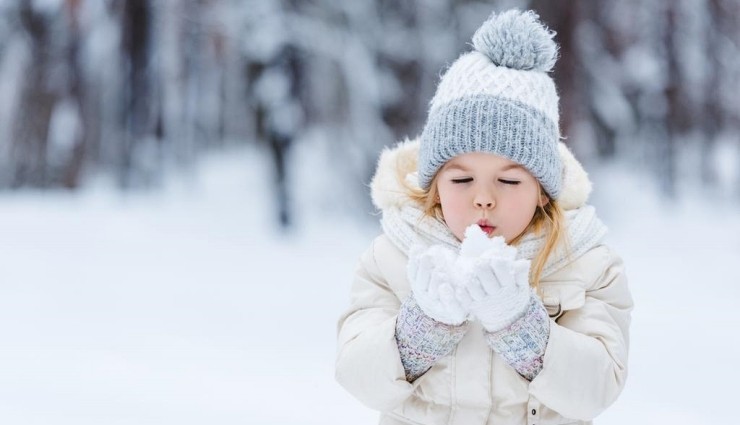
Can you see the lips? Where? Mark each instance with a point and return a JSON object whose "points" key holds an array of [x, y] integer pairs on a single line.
{"points": [[486, 226]]}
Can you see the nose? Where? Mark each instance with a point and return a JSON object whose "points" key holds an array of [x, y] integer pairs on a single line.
{"points": [[484, 200]]}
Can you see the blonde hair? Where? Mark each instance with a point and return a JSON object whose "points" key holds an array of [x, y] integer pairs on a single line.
{"points": [[548, 220]]}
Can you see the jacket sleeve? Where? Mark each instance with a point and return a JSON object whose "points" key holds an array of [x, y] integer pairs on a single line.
{"points": [[368, 363], [585, 363]]}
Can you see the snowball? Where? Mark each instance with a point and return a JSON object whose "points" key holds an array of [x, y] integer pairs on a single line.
{"points": [[477, 244]]}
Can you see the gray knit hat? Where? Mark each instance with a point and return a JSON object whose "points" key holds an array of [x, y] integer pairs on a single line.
{"points": [[498, 99]]}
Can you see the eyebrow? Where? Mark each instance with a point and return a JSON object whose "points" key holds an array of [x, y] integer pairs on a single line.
{"points": [[455, 166], [512, 166]]}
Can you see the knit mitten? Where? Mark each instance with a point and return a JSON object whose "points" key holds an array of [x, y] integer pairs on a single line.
{"points": [[430, 272], [496, 284], [522, 345], [421, 340]]}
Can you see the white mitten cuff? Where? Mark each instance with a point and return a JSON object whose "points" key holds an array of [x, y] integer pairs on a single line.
{"points": [[501, 310]]}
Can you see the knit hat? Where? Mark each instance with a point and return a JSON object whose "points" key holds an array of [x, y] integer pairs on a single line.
{"points": [[498, 99]]}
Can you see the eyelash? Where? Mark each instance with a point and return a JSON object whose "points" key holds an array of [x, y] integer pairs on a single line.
{"points": [[469, 179], [459, 181]]}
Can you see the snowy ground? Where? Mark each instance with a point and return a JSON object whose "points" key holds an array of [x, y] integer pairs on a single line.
{"points": [[187, 307]]}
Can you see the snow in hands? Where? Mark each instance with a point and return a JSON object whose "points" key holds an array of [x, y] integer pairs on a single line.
{"points": [[453, 288], [477, 243]]}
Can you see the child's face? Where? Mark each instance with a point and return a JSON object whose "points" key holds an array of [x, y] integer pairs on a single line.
{"points": [[488, 190]]}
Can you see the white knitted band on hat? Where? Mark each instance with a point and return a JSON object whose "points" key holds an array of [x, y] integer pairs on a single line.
{"points": [[473, 74]]}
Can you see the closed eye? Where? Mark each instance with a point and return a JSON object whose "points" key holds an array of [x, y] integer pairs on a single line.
{"points": [[511, 182], [464, 180]]}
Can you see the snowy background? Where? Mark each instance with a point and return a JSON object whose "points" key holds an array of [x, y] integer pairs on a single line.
{"points": [[188, 307], [183, 195]]}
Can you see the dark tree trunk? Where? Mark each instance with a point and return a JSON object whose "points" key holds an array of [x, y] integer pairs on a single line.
{"points": [[564, 21], [77, 88], [37, 100], [674, 119], [138, 117]]}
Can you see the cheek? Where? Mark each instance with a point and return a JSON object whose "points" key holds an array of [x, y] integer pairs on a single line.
{"points": [[452, 204], [527, 209], [521, 206], [527, 203], [446, 195], [455, 214], [528, 195]]}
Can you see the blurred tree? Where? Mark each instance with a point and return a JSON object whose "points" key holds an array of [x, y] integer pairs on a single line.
{"points": [[37, 98], [279, 116], [568, 72], [76, 95], [130, 87], [140, 116]]}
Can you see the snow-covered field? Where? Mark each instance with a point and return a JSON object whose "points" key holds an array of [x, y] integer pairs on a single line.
{"points": [[187, 307]]}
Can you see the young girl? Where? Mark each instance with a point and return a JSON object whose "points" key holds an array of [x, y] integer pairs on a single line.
{"points": [[490, 298]]}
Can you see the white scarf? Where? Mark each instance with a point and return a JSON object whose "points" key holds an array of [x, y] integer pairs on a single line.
{"points": [[407, 226]]}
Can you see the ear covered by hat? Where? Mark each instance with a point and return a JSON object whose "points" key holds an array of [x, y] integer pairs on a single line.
{"points": [[499, 99]]}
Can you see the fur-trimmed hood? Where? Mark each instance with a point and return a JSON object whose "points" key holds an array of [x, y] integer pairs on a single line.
{"points": [[400, 160]]}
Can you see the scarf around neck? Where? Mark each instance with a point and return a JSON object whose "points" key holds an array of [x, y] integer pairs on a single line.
{"points": [[407, 226]]}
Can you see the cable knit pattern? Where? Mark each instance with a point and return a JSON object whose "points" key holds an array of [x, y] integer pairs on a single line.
{"points": [[421, 340], [522, 345], [499, 82]]}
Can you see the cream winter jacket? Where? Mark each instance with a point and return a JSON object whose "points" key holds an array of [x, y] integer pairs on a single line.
{"points": [[585, 362]]}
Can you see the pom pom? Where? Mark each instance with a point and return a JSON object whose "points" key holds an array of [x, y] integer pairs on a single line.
{"points": [[517, 40]]}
